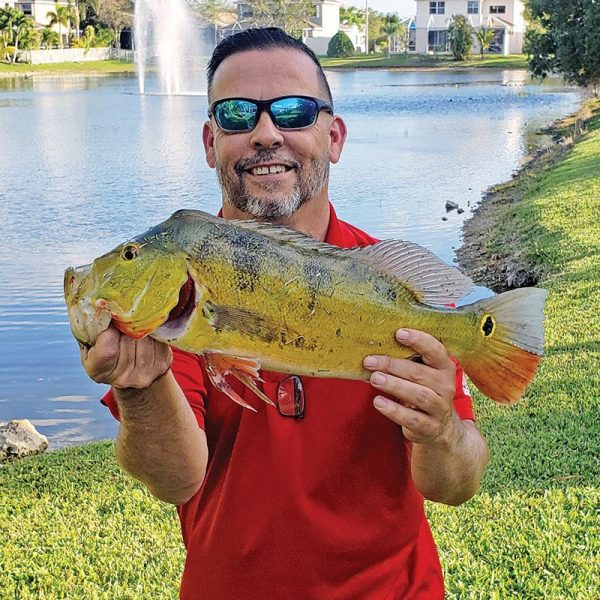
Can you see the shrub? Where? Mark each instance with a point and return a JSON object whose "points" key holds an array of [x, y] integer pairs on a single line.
{"points": [[103, 38], [340, 45]]}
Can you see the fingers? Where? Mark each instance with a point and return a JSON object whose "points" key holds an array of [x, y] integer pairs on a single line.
{"points": [[416, 426], [432, 351], [124, 362], [417, 396], [412, 381]]}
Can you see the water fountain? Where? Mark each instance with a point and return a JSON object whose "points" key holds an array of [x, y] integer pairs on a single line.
{"points": [[168, 40]]}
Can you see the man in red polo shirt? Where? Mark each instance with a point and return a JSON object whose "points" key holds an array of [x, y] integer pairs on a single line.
{"points": [[323, 501]]}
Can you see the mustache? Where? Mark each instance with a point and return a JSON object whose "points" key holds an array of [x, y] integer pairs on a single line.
{"points": [[263, 156]]}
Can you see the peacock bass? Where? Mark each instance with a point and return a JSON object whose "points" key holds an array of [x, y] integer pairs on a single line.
{"points": [[250, 295]]}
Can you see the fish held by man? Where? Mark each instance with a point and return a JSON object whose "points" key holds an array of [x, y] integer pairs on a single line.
{"points": [[250, 295]]}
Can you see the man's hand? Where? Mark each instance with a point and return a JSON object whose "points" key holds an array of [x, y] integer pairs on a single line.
{"points": [[449, 454], [124, 362], [423, 391]]}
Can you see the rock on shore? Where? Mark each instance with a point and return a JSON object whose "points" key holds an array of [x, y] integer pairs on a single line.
{"points": [[19, 438]]}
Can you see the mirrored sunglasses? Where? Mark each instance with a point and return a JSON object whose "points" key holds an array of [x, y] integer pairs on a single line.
{"points": [[237, 115]]}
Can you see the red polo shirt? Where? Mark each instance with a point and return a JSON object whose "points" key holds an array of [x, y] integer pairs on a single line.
{"points": [[319, 508]]}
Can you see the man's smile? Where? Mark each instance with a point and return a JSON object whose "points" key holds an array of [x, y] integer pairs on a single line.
{"points": [[269, 169]]}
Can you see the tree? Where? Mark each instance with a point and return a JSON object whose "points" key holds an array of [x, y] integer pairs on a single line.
{"points": [[485, 37], [3, 44], [460, 36], [392, 26], [352, 16], [376, 21], [291, 15], [564, 37], [117, 15], [340, 45], [49, 38], [61, 17], [15, 28], [211, 11]]}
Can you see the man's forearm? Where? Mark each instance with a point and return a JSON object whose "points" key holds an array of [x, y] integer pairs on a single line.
{"points": [[450, 471], [159, 441]]}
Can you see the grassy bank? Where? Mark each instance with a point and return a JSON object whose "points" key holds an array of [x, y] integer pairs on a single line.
{"points": [[101, 67], [72, 525], [420, 61], [96, 67]]}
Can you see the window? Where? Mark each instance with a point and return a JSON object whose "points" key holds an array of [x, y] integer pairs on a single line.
{"points": [[437, 40], [473, 8], [26, 9], [437, 8], [497, 9]]}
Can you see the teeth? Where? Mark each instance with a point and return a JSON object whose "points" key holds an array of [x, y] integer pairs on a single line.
{"points": [[268, 170]]}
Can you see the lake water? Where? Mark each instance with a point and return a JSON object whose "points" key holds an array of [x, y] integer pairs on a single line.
{"points": [[86, 162]]}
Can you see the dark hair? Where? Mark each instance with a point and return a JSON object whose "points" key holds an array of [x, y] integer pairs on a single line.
{"points": [[262, 38]]}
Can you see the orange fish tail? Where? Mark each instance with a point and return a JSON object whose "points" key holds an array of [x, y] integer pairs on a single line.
{"points": [[510, 343]]}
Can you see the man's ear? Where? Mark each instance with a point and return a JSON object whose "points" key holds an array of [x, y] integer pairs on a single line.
{"points": [[337, 137], [208, 139]]}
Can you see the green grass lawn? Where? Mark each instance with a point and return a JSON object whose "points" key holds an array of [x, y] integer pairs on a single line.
{"points": [[92, 67], [533, 531], [416, 61], [73, 526]]}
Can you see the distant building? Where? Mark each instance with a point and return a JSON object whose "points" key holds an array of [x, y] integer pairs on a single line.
{"points": [[317, 32], [36, 9], [323, 26], [505, 17]]}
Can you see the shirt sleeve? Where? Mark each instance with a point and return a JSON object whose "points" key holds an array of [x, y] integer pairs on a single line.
{"points": [[188, 374], [463, 402]]}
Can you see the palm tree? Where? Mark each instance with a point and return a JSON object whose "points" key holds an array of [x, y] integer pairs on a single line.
{"points": [[61, 16], [14, 25], [485, 37], [352, 16], [391, 26]]}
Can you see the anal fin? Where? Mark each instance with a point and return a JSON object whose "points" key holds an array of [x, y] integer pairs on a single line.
{"points": [[245, 370]]}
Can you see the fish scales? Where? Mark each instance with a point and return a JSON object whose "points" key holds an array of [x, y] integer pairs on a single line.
{"points": [[332, 311]]}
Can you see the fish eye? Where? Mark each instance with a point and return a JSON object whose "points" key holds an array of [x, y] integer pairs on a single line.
{"points": [[130, 251]]}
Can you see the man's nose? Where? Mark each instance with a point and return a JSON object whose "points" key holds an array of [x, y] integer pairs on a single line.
{"points": [[266, 134]]}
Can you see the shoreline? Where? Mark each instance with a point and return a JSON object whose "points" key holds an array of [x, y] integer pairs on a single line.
{"points": [[483, 254], [408, 63]]}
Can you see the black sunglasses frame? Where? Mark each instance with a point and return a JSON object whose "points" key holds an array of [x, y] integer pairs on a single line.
{"points": [[265, 106]]}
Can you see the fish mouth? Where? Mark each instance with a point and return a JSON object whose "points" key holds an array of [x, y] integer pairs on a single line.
{"points": [[179, 316]]}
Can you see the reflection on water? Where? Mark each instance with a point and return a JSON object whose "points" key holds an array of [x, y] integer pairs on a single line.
{"points": [[86, 163]]}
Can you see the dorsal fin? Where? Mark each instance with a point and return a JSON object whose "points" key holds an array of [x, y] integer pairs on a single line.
{"points": [[419, 270], [431, 280]]}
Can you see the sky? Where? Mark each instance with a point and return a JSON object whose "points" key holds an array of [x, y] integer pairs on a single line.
{"points": [[405, 8]]}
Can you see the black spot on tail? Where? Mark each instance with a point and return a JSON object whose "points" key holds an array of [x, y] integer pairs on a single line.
{"points": [[488, 326]]}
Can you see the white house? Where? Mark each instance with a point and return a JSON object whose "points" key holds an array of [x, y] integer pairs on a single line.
{"points": [[36, 9], [505, 17], [323, 26], [317, 32]]}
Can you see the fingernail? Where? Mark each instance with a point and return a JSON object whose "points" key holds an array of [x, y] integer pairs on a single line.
{"points": [[381, 402], [378, 379], [370, 361], [402, 335]]}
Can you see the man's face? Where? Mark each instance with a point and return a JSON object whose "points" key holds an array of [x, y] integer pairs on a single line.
{"points": [[269, 173]]}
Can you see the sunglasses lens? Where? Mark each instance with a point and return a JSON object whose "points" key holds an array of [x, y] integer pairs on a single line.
{"points": [[294, 113], [236, 115], [290, 397]]}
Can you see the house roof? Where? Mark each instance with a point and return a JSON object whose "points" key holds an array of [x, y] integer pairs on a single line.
{"points": [[502, 21]]}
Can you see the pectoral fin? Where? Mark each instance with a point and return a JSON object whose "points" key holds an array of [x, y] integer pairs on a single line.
{"points": [[218, 365]]}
